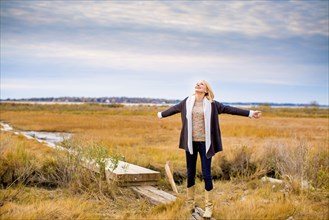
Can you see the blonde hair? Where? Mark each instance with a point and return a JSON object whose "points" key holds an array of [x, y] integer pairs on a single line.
{"points": [[209, 94]]}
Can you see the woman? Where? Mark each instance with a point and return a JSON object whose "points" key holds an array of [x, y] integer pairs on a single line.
{"points": [[201, 134]]}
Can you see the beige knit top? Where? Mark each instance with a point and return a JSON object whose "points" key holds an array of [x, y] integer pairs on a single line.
{"points": [[198, 126]]}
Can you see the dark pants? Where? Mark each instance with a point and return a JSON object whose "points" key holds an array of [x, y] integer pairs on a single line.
{"points": [[198, 147]]}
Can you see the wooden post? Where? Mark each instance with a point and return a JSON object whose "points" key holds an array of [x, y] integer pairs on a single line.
{"points": [[170, 177]]}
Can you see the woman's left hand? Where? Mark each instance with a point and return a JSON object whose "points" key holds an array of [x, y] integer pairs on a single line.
{"points": [[257, 114]]}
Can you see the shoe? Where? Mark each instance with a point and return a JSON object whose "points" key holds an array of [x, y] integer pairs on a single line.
{"points": [[190, 202], [208, 204]]}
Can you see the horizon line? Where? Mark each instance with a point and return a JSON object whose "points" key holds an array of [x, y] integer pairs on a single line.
{"points": [[39, 99]]}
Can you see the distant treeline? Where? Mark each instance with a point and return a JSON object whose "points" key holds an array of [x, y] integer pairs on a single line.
{"points": [[109, 100], [135, 100]]}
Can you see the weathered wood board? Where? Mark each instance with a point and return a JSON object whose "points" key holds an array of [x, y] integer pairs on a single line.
{"points": [[198, 214], [127, 174], [155, 196], [170, 177]]}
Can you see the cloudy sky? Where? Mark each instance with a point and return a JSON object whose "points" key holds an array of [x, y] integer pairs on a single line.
{"points": [[259, 51]]}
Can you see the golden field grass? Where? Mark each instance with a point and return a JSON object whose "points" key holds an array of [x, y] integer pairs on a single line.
{"points": [[289, 142]]}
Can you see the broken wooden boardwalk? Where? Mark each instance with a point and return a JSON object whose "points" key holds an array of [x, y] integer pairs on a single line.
{"points": [[124, 174], [140, 179]]}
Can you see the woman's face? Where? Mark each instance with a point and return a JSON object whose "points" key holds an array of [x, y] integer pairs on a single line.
{"points": [[200, 87]]}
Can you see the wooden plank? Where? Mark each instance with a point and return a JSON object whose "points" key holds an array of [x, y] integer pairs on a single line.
{"points": [[161, 193], [154, 195], [154, 199], [198, 214], [170, 177], [130, 177], [130, 174], [127, 168]]}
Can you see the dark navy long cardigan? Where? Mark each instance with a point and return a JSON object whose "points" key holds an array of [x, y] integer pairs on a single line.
{"points": [[216, 109]]}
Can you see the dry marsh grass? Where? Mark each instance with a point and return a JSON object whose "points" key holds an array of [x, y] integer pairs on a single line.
{"points": [[41, 183], [36, 203], [285, 143]]}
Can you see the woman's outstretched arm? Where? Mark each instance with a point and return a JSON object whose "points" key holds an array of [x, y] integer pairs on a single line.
{"points": [[172, 110], [237, 111]]}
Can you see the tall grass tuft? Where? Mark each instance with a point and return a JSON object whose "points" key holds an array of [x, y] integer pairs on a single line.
{"points": [[300, 165], [18, 166], [241, 166], [89, 163]]}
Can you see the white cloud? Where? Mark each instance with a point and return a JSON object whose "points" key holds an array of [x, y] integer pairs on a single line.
{"points": [[257, 18]]}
